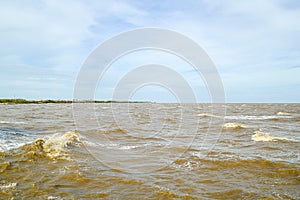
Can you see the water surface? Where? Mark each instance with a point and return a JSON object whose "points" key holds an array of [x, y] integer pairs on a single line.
{"points": [[149, 151]]}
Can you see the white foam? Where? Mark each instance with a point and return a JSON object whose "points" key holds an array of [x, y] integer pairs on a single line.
{"points": [[57, 144], [53, 198], [260, 136], [206, 115], [8, 145], [108, 145], [251, 117], [11, 122], [128, 147], [8, 186], [284, 113], [233, 126]]}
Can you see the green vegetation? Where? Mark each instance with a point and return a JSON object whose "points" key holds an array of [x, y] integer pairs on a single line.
{"points": [[24, 101]]}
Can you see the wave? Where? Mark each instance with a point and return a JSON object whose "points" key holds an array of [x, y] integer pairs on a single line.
{"points": [[12, 138], [114, 146], [260, 136], [58, 143], [284, 113], [4, 165], [253, 117], [54, 147], [129, 147], [233, 126], [117, 130], [170, 120], [206, 115], [212, 163], [11, 122], [8, 186]]}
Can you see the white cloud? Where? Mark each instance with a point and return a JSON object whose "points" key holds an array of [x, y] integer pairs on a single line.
{"points": [[242, 37]]}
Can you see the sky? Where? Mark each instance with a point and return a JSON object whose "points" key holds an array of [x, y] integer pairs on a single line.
{"points": [[255, 46]]}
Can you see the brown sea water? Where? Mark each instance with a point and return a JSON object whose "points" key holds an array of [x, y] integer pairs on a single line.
{"points": [[149, 153]]}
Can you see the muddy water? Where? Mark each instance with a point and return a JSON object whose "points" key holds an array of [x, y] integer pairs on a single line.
{"points": [[150, 151]]}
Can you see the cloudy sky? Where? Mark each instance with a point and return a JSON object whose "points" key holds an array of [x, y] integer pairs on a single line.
{"points": [[255, 46]]}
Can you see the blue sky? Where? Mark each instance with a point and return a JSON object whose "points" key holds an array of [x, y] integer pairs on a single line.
{"points": [[255, 45]]}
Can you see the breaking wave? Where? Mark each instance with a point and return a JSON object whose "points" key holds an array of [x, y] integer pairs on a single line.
{"points": [[260, 136], [263, 117], [233, 126], [284, 113], [55, 147], [58, 144], [11, 122], [12, 138], [205, 115]]}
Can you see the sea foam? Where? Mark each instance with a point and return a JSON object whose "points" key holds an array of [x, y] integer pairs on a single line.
{"points": [[11, 122], [284, 113], [8, 186], [55, 147], [57, 144], [260, 136], [233, 126]]}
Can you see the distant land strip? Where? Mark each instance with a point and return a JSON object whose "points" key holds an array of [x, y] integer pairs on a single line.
{"points": [[24, 101]]}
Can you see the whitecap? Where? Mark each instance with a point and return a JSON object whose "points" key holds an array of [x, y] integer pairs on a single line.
{"points": [[8, 145], [53, 198], [12, 138], [128, 147], [11, 122], [252, 117], [57, 144], [260, 136], [284, 114], [233, 126], [8, 186], [206, 115]]}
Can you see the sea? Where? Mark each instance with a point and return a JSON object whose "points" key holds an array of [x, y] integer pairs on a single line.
{"points": [[149, 151]]}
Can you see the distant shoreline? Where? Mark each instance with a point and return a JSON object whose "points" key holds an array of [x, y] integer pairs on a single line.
{"points": [[24, 101], [47, 101]]}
